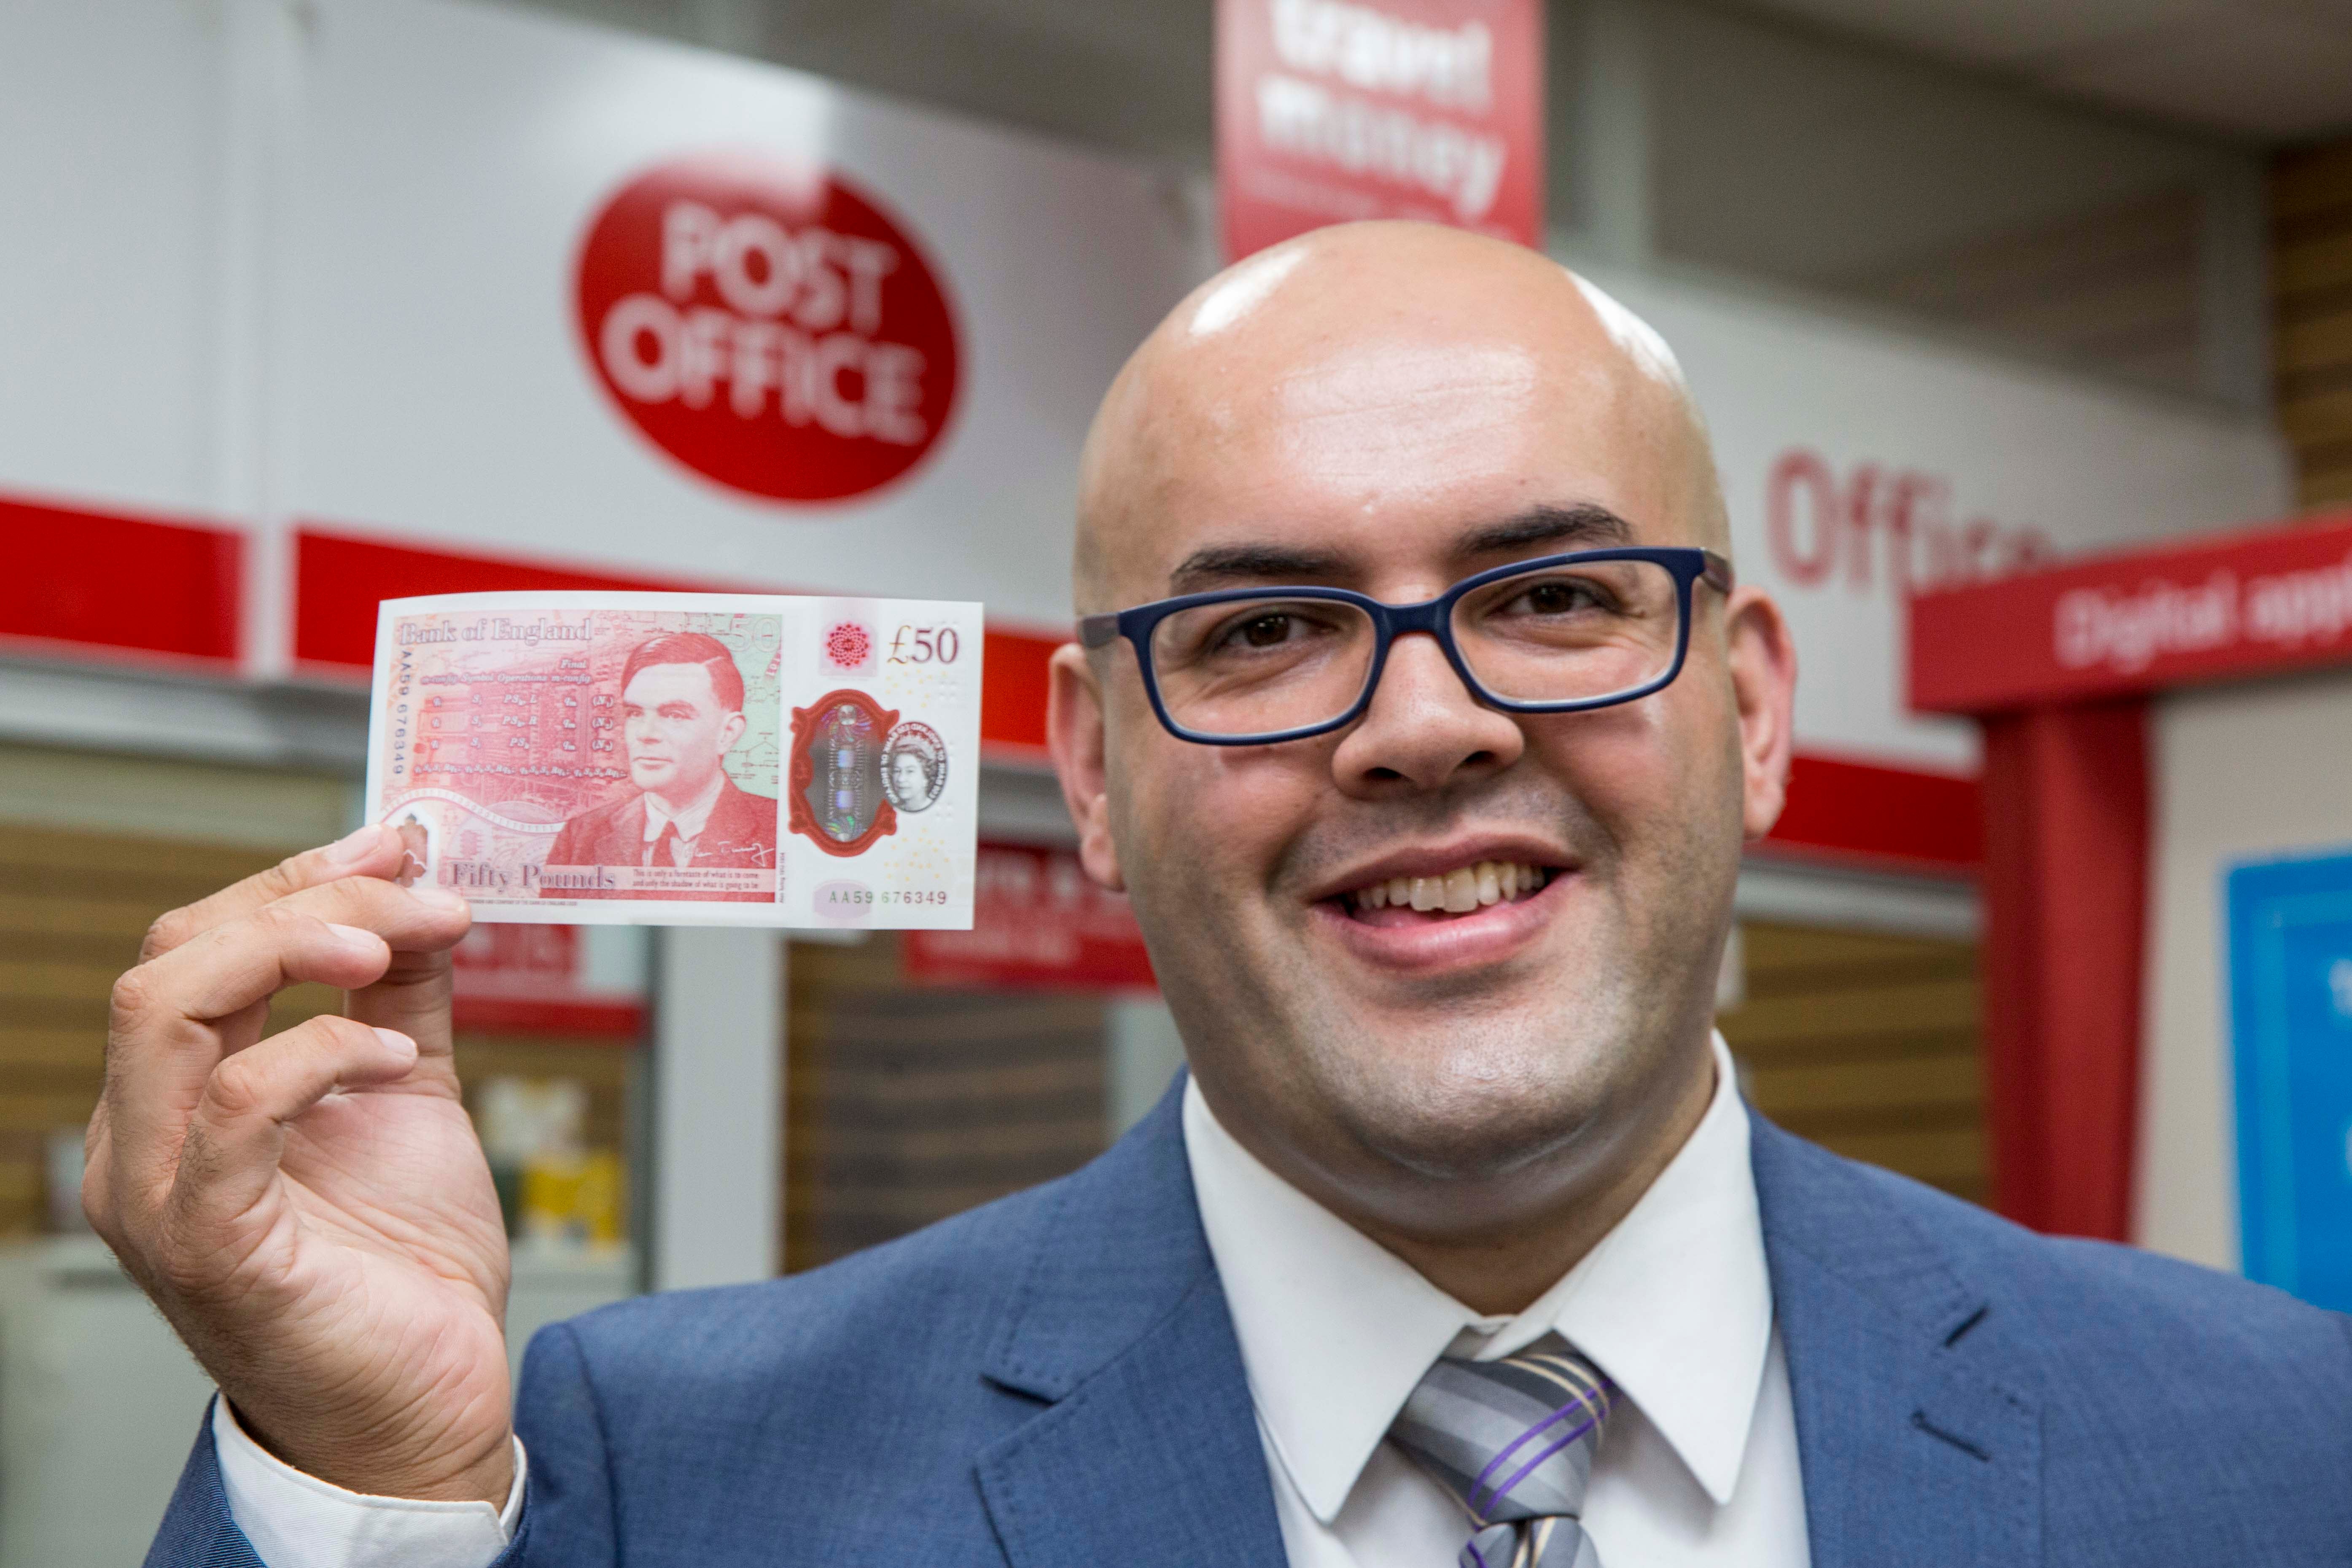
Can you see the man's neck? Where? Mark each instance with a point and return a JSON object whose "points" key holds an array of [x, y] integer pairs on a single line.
{"points": [[1499, 1275], [1498, 1269]]}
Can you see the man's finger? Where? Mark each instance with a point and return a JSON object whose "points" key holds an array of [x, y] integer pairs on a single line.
{"points": [[371, 851], [178, 1014], [413, 997], [175, 1017], [322, 933], [238, 1131], [234, 966], [173, 1020]]}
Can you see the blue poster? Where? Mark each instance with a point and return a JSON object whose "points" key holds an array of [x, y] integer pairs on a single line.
{"points": [[2290, 925]]}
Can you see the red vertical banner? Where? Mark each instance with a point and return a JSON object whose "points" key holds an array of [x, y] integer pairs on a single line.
{"points": [[1333, 110], [2066, 838]]}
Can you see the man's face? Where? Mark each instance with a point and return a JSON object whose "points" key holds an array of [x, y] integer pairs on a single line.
{"points": [[677, 730], [907, 776], [1354, 1048]]}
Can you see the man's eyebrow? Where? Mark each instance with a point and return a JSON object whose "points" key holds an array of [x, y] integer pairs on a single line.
{"points": [[1222, 565], [1585, 524], [1232, 565]]}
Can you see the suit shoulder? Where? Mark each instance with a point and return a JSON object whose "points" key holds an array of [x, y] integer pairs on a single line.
{"points": [[2100, 1303], [945, 1287], [599, 818], [745, 816]]}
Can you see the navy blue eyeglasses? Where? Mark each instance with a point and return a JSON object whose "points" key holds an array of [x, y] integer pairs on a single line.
{"points": [[1560, 634]]}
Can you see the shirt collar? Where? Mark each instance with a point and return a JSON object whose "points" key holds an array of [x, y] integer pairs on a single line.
{"points": [[1674, 1303], [692, 820]]}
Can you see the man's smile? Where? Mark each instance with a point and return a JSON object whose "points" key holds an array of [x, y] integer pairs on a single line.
{"points": [[1467, 905], [1461, 891]]}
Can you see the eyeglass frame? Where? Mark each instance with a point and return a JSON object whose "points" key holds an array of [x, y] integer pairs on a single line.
{"points": [[1688, 565]]}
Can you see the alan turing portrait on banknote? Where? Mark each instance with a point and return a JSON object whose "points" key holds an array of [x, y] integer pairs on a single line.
{"points": [[681, 715]]}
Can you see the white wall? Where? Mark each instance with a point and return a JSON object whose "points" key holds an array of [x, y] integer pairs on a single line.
{"points": [[110, 175], [1975, 438], [2239, 771], [717, 1107]]}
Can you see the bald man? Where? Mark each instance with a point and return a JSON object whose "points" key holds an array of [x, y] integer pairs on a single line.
{"points": [[1418, 708]]}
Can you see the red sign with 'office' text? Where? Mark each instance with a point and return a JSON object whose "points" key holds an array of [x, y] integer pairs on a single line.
{"points": [[1333, 110], [768, 325]]}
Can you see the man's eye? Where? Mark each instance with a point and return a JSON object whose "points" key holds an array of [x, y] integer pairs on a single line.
{"points": [[1557, 598], [1266, 631]]}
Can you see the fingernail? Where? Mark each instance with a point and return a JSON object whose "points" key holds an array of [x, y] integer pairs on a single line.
{"points": [[396, 1042], [438, 898], [353, 937], [355, 846]]}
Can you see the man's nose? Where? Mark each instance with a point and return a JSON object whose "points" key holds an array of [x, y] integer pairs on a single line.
{"points": [[1423, 728]]}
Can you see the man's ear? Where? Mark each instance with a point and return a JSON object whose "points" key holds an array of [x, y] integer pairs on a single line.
{"points": [[730, 729], [1763, 663], [1075, 735]]}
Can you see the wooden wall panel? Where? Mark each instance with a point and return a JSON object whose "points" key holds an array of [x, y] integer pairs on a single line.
{"points": [[2311, 281], [1869, 1045], [906, 1104], [73, 909]]}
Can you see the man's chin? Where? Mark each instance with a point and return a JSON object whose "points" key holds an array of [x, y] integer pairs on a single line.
{"points": [[1472, 1075], [1468, 1130]]}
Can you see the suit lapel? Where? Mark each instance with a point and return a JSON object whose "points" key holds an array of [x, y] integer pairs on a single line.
{"points": [[629, 847], [1917, 1447], [1146, 1448]]}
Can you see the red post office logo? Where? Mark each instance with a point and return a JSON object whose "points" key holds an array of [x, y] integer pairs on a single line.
{"points": [[768, 325]]}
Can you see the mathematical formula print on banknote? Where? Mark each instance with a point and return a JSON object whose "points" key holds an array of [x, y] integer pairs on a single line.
{"points": [[683, 759]]}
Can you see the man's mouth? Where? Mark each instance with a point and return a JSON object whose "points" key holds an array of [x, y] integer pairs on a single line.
{"points": [[1446, 895]]}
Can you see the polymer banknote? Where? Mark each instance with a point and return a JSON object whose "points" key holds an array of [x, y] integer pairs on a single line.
{"points": [[683, 759]]}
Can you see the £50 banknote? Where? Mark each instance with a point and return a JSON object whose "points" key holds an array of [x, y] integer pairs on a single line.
{"points": [[683, 759]]}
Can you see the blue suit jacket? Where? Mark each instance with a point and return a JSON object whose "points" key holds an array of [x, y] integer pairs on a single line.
{"points": [[1053, 1382]]}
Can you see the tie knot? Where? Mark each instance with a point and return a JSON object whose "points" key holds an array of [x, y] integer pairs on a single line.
{"points": [[1512, 1439]]}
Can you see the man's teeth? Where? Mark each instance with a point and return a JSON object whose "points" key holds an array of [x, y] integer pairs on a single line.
{"points": [[1456, 893]]}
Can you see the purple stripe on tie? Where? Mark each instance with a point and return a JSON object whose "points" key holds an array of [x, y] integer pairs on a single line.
{"points": [[1505, 1489], [1470, 1550], [1582, 1402]]}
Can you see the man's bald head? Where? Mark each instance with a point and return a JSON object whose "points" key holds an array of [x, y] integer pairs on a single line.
{"points": [[1285, 363]]}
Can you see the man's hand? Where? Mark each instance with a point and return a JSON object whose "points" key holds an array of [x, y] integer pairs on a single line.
{"points": [[312, 1212]]}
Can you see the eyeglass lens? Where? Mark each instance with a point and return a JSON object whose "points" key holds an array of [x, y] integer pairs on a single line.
{"points": [[1556, 634]]}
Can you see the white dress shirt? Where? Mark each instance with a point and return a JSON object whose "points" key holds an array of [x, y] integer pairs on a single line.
{"points": [[690, 823], [1697, 1465], [294, 1520]]}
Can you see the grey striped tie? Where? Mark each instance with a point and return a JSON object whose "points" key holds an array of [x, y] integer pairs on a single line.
{"points": [[1513, 1440]]}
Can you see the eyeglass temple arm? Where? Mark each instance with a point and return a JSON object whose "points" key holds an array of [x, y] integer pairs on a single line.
{"points": [[1717, 574]]}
